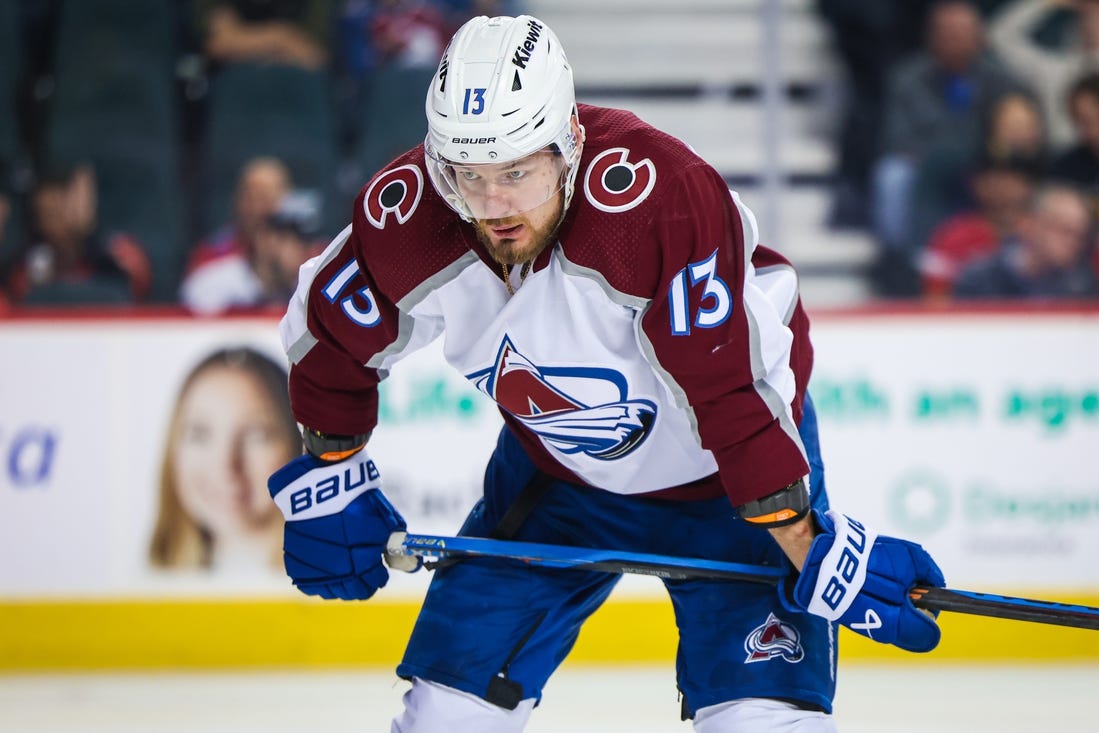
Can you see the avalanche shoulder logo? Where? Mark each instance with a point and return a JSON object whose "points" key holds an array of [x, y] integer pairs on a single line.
{"points": [[546, 400], [613, 183], [774, 638], [396, 192]]}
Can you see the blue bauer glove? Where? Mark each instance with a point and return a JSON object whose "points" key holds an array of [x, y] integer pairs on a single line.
{"points": [[337, 525], [860, 580]]}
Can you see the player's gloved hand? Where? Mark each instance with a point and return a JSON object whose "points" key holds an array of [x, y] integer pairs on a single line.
{"points": [[862, 581], [337, 525]]}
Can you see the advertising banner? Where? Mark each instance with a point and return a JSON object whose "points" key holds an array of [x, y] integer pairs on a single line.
{"points": [[134, 456], [134, 453], [972, 434]]}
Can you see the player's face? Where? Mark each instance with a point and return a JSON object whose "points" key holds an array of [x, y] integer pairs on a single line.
{"points": [[229, 442], [516, 205], [515, 239]]}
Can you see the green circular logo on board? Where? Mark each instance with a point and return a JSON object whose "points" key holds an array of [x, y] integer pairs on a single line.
{"points": [[920, 503]]}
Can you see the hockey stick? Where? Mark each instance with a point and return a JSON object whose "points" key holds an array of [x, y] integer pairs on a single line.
{"points": [[430, 547]]}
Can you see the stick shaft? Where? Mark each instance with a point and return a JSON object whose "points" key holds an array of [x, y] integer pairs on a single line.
{"points": [[670, 567], [582, 558]]}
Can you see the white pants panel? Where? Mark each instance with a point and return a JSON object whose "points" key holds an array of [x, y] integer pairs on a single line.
{"points": [[761, 715], [432, 708]]}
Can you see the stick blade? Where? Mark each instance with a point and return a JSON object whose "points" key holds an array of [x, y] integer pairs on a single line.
{"points": [[1006, 607]]}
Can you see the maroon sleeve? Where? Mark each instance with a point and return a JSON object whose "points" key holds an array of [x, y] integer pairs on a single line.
{"points": [[338, 324], [343, 321], [724, 352]]}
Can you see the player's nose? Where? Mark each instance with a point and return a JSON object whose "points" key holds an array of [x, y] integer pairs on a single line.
{"points": [[496, 202]]}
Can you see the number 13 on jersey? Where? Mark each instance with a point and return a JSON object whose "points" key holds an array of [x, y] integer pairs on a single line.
{"points": [[715, 306]]}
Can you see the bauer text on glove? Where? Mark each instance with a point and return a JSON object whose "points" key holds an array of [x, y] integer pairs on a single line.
{"points": [[337, 525], [854, 577]]}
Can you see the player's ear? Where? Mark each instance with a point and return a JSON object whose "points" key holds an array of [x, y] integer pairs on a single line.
{"points": [[577, 129]]}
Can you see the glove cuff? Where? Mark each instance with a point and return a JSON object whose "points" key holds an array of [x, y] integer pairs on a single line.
{"points": [[307, 487], [842, 553]]}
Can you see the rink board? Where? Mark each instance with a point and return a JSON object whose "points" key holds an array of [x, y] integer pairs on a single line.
{"points": [[970, 432]]}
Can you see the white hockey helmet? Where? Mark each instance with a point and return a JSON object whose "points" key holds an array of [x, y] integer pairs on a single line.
{"points": [[503, 91]]}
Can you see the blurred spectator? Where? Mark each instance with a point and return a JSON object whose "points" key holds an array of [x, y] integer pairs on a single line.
{"points": [[293, 32], [409, 33], [1001, 189], [1049, 71], [220, 275], [1049, 259], [870, 38], [1079, 165], [1016, 127], [941, 95], [943, 187], [70, 260], [290, 237]]}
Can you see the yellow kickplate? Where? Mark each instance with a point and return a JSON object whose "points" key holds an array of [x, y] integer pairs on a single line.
{"points": [[134, 634]]}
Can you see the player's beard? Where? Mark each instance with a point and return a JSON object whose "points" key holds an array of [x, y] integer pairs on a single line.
{"points": [[508, 251]]}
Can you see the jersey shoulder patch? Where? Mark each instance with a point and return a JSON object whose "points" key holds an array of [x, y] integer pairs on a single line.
{"points": [[394, 193], [618, 179]]}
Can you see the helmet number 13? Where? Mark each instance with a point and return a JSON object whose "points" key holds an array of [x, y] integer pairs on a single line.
{"points": [[474, 102]]}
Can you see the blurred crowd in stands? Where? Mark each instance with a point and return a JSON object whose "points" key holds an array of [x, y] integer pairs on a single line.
{"points": [[970, 144], [196, 152]]}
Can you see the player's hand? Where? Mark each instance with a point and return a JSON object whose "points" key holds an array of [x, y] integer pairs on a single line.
{"points": [[337, 525], [862, 581]]}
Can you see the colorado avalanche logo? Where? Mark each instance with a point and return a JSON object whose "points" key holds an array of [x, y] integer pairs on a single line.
{"points": [[397, 191], [538, 397], [613, 184], [774, 639]]}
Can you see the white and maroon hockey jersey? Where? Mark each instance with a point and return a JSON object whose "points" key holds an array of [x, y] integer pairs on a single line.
{"points": [[655, 348]]}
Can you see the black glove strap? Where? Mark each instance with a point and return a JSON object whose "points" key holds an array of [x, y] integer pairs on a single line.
{"points": [[786, 506], [330, 447]]}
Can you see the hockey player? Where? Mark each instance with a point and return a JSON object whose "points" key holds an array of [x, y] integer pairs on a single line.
{"points": [[598, 280]]}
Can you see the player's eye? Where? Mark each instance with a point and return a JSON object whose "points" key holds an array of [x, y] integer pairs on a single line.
{"points": [[515, 175], [467, 175]]}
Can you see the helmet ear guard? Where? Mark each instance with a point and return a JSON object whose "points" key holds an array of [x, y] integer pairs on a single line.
{"points": [[503, 90]]}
